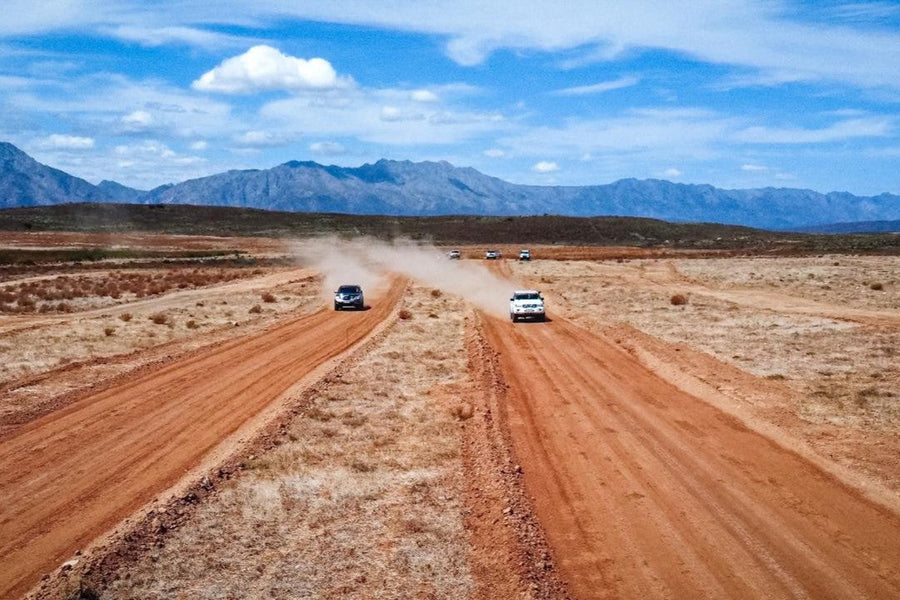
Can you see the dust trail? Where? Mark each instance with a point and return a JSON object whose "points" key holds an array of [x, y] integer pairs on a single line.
{"points": [[365, 261]]}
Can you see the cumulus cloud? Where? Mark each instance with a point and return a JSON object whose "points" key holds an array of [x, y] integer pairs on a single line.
{"points": [[263, 139], [137, 120], [672, 172], [423, 96], [598, 88], [329, 148], [494, 153], [67, 142], [545, 166], [264, 68], [199, 145], [393, 114]]}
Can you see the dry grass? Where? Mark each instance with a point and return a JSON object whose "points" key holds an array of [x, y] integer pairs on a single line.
{"points": [[678, 300], [103, 288], [825, 361], [361, 499], [159, 318], [194, 318]]}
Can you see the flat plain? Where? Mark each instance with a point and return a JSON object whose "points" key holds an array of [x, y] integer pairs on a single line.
{"points": [[682, 426]]}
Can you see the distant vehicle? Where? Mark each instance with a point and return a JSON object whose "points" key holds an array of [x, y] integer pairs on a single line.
{"points": [[349, 296], [492, 255], [453, 254], [526, 304], [524, 254]]}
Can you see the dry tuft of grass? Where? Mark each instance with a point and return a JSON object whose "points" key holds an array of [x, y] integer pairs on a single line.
{"points": [[159, 318], [678, 300], [404, 314], [109, 331], [876, 285], [125, 317], [269, 297], [462, 411], [255, 309]]}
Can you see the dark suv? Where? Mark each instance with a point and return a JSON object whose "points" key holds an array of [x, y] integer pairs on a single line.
{"points": [[349, 295]]}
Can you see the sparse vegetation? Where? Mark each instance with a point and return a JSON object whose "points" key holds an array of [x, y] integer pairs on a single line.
{"points": [[42, 295], [404, 314], [269, 297], [359, 497], [876, 285], [678, 300], [255, 309], [160, 318]]}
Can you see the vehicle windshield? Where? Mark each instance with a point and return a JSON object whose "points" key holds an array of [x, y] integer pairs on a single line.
{"points": [[349, 289], [528, 296]]}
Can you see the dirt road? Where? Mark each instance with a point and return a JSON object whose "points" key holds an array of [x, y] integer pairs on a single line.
{"points": [[72, 475], [645, 491]]}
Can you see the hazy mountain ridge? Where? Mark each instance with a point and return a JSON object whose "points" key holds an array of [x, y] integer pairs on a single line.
{"points": [[439, 188]]}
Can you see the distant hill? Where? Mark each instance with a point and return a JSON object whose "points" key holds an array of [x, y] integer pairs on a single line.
{"points": [[858, 227], [438, 188], [26, 182], [114, 219]]}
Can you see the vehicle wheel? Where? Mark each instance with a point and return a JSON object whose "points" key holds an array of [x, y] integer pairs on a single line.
{"points": [[513, 318], [542, 318], [337, 306]]}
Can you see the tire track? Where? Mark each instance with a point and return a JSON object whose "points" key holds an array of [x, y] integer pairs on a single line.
{"points": [[647, 492], [71, 475]]}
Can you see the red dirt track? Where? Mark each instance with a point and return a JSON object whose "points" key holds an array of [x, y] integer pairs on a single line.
{"points": [[645, 491], [70, 476]]}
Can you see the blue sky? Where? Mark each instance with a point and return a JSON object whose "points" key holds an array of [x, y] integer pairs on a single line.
{"points": [[733, 93]]}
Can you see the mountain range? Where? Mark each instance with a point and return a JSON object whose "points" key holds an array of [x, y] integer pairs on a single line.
{"points": [[438, 188]]}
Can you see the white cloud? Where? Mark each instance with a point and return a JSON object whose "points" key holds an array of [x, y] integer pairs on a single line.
{"points": [[672, 173], [160, 36], [199, 145], [598, 88], [137, 120], [263, 139], [328, 148], [147, 148], [753, 168], [842, 130], [67, 142], [494, 153], [761, 36], [653, 133], [393, 114], [265, 68], [423, 96], [545, 167]]}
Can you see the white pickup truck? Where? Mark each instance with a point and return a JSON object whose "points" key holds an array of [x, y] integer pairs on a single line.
{"points": [[526, 304]]}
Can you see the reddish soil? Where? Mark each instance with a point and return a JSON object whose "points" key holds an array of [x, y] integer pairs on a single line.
{"points": [[646, 491], [70, 476]]}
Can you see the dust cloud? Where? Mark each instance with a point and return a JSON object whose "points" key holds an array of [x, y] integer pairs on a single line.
{"points": [[365, 261]]}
